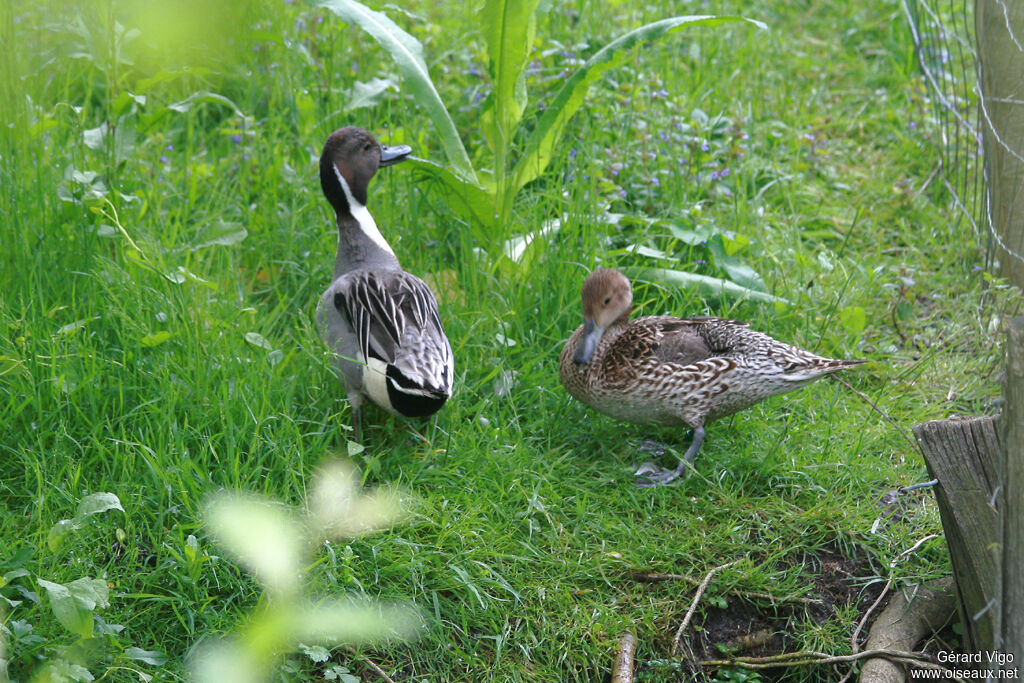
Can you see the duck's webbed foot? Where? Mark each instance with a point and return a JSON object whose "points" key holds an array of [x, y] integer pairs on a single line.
{"points": [[649, 475]]}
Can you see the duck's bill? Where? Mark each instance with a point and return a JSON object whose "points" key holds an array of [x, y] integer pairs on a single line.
{"points": [[588, 342], [392, 155]]}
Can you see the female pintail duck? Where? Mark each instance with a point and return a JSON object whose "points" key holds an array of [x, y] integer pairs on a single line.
{"points": [[671, 371], [381, 322]]}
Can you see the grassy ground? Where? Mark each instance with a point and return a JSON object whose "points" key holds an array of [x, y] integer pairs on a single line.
{"points": [[148, 351]]}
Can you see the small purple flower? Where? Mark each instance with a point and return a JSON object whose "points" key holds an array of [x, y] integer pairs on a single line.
{"points": [[237, 139], [163, 159], [913, 125], [739, 155], [573, 153], [663, 135], [622, 193], [714, 175], [655, 181], [724, 173], [473, 71], [704, 146], [977, 269], [169, 148], [700, 262], [660, 93]]}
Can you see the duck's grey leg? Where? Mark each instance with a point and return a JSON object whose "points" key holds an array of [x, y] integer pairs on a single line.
{"points": [[650, 475]]}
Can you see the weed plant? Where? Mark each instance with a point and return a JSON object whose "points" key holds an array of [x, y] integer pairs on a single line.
{"points": [[164, 242]]}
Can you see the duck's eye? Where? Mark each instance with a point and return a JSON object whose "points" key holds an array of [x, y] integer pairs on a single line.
{"points": [[607, 300], [367, 147]]}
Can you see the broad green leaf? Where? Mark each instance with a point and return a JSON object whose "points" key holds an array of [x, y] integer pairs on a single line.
{"points": [[854, 319], [156, 339], [709, 286], [738, 272], [93, 137], [508, 29], [221, 233], [257, 339], [263, 537], [203, 96], [153, 657], [125, 100], [368, 94], [473, 203], [96, 503], [58, 532], [73, 603], [408, 55], [75, 326], [316, 653], [541, 145]]}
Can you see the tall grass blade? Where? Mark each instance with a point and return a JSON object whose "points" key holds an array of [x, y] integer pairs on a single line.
{"points": [[408, 54], [540, 147]]}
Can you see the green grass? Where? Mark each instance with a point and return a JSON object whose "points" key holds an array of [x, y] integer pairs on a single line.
{"points": [[526, 523]]}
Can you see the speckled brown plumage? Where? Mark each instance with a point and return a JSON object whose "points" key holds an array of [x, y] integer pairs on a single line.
{"points": [[675, 371]]}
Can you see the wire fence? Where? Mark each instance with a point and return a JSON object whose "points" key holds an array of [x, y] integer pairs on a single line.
{"points": [[971, 53]]}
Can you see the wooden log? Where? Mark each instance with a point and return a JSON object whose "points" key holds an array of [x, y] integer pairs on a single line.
{"points": [[902, 624], [962, 453], [1009, 618]]}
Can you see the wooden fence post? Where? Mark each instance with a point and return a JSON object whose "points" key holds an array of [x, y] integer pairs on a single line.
{"points": [[1009, 620], [963, 455], [979, 463]]}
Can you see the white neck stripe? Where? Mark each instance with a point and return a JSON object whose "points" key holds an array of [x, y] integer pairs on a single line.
{"points": [[362, 215]]}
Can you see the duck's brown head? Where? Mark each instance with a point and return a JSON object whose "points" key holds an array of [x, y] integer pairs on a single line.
{"points": [[607, 300]]}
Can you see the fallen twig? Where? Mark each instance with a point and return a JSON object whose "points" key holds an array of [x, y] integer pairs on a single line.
{"points": [[696, 599], [655, 577], [370, 663], [623, 671], [809, 657]]}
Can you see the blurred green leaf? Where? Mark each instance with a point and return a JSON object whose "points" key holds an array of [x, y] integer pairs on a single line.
{"points": [[264, 537]]}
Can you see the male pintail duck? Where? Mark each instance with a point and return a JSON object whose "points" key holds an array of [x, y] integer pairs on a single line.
{"points": [[674, 371], [381, 322]]}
